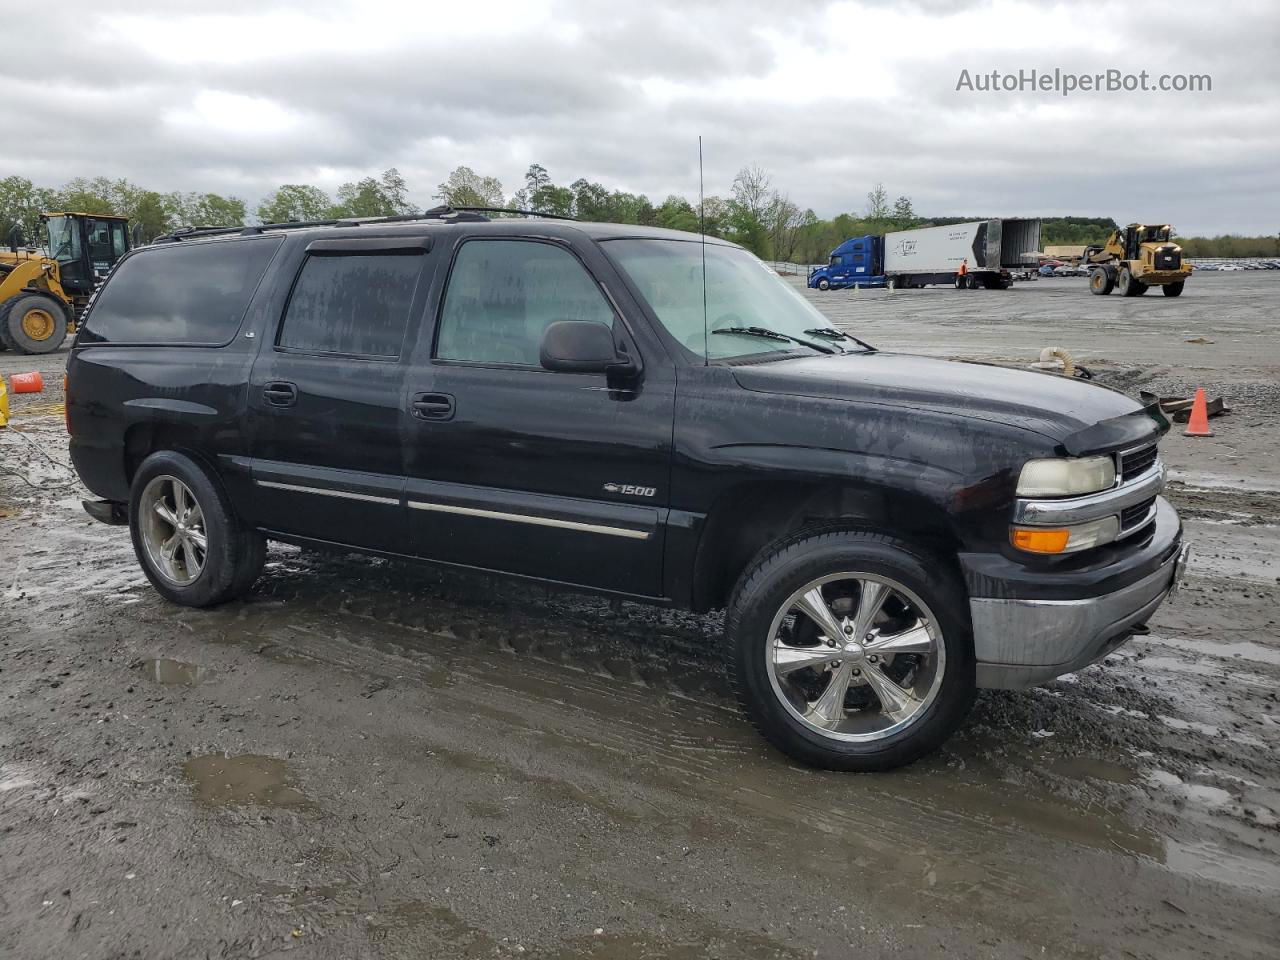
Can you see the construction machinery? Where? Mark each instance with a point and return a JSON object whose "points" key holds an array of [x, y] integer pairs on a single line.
{"points": [[1136, 258], [42, 297]]}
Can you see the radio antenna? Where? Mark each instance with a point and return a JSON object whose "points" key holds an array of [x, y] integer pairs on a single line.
{"points": [[702, 229]]}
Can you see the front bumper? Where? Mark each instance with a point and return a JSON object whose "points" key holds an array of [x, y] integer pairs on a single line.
{"points": [[1020, 642]]}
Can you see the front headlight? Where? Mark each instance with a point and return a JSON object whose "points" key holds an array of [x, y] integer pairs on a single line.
{"points": [[1066, 477]]}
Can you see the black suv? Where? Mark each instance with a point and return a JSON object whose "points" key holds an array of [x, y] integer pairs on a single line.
{"points": [[634, 412]]}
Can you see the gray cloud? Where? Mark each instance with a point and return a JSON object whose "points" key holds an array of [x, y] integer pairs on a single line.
{"points": [[830, 98]]}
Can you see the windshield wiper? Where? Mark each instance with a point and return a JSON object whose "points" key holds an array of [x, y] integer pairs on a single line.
{"points": [[831, 333], [768, 334]]}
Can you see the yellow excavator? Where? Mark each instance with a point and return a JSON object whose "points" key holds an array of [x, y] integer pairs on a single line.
{"points": [[43, 297], [1136, 258]]}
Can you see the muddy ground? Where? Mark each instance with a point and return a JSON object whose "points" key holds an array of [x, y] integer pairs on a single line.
{"points": [[370, 759]]}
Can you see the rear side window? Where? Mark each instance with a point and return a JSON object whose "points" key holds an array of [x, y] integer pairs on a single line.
{"points": [[352, 304], [504, 293], [191, 294]]}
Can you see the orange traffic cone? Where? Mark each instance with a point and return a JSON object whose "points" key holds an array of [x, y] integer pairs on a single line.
{"points": [[1198, 425]]}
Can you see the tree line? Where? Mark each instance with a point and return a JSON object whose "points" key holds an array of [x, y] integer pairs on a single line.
{"points": [[754, 213]]}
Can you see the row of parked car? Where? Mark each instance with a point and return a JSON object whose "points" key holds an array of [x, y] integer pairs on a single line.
{"points": [[1055, 268], [1240, 265]]}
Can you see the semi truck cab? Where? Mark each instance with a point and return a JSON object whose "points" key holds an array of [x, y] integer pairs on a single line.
{"points": [[858, 262]]}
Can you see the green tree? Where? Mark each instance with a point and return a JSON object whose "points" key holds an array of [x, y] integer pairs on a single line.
{"points": [[903, 212], [81, 195], [878, 203], [149, 217], [363, 198], [21, 203], [466, 188], [294, 201], [676, 213], [396, 192], [204, 210]]}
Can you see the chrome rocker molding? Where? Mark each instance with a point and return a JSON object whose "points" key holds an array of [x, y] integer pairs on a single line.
{"points": [[326, 492], [530, 518], [465, 511]]}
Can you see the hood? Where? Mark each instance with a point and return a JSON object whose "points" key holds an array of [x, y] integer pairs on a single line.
{"points": [[1081, 416]]}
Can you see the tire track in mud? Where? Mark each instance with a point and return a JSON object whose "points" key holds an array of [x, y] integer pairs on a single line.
{"points": [[634, 702]]}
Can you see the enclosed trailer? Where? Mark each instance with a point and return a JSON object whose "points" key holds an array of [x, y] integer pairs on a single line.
{"points": [[988, 249]]}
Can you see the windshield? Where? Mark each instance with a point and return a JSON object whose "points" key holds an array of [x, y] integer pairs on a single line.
{"points": [[64, 240], [741, 292]]}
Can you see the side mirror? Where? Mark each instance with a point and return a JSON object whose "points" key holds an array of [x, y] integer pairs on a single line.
{"points": [[581, 346], [16, 239]]}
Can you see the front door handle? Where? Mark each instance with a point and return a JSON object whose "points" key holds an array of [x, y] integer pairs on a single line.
{"points": [[432, 406], [280, 393]]}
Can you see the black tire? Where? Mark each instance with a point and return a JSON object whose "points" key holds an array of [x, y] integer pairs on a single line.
{"points": [[1101, 281], [1138, 287], [824, 284], [234, 554], [973, 282], [42, 312], [1174, 289], [790, 565], [1127, 285]]}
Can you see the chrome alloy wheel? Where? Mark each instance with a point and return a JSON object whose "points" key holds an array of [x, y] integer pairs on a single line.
{"points": [[855, 656], [172, 527]]}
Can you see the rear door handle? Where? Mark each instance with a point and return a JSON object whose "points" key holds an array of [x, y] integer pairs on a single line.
{"points": [[280, 393], [432, 406]]}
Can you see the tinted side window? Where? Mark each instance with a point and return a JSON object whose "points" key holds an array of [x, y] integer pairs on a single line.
{"points": [[504, 293], [185, 293], [352, 304]]}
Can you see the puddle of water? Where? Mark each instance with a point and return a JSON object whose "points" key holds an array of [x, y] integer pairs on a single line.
{"points": [[1087, 768], [1244, 649], [1205, 794], [163, 670], [432, 930], [246, 779], [1211, 862]]}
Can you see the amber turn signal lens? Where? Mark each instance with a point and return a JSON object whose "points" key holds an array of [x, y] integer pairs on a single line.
{"points": [[1040, 541]]}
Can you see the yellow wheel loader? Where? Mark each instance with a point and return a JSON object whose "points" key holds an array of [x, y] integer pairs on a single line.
{"points": [[42, 297], [1136, 258]]}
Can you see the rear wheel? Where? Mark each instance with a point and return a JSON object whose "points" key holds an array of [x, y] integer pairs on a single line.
{"points": [[189, 542], [33, 324], [1174, 289], [851, 650]]}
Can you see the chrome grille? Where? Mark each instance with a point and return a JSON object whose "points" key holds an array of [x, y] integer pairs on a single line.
{"points": [[1137, 462], [1131, 517]]}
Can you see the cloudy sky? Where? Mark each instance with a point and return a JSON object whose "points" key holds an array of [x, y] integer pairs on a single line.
{"points": [[238, 97]]}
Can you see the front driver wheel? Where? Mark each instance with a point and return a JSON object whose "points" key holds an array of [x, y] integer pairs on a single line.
{"points": [[851, 650], [189, 542], [824, 284]]}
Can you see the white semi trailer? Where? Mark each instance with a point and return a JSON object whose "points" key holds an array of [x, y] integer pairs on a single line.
{"points": [[988, 249]]}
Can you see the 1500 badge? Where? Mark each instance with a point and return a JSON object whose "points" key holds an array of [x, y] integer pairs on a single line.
{"points": [[630, 490]]}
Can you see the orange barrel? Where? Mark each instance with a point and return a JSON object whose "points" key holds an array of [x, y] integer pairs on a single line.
{"points": [[27, 382]]}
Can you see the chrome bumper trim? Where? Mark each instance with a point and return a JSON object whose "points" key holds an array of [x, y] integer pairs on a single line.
{"points": [[1094, 506], [1020, 643]]}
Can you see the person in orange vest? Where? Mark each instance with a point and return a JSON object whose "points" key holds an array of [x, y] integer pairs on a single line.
{"points": [[960, 275]]}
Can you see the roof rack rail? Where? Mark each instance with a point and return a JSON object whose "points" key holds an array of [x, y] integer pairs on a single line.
{"points": [[443, 213]]}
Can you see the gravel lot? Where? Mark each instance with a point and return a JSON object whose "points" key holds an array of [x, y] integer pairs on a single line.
{"points": [[371, 759]]}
